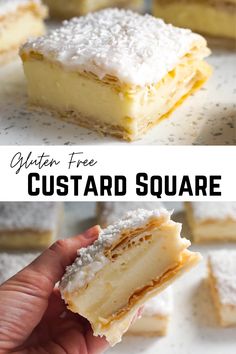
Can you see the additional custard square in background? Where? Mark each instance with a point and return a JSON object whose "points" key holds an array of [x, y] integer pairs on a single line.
{"points": [[12, 263], [114, 71], [73, 8], [211, 221], [19, 20], [29, 225], [222, 279], [110, 212], [133, 260], [155, 317], [213, 17]]}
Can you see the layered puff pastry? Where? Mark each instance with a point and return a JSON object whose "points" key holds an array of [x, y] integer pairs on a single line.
{"points": [[213, 17], [211, 221], [72, 8], [29, 225], [133, 260], [155, 317], [115, 71], [222, 280], [19, 20]]}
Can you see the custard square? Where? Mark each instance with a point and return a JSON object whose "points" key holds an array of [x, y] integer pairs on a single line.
{"points": [[131, 262], [211, 221], [222, 280], [154, 321], [29, 225], [12, 263], [213, 17], [73, 8], [19, 20], [110, 212], [114, 71]]}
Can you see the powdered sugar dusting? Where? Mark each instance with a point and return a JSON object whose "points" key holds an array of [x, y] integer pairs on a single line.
{"points": [[160, 305], [11, 5], [211, 211], [29, 216], [223, 265], [91, 259], [12, 263], [137, 49], [112, 211]]}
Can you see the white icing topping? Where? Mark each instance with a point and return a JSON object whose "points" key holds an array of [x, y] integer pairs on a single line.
{"points": [[137, 49], [213, 211], [91, 259], [112, 211], [28, 216], [11, 263], [7, 6], [223, 264], [160, 305]]}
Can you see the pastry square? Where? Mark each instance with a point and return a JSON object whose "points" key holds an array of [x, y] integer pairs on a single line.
{"points": [[133, 260], [211, 221], [73, 8], [155, 317], [213, 17], [135, 68], [12, 263], [28, 225], [19, 20], [222, 280], [110, 212]]}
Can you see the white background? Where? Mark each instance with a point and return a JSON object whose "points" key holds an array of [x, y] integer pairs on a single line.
{"points": [[161, 160]]}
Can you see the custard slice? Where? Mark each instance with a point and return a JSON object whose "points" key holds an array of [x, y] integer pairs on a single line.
{"points": [[72, 8], [211, 222], [133, 260], [19, 20], [114, 71], [155, 317], [212, 17], [222, 280], [29, 225]]}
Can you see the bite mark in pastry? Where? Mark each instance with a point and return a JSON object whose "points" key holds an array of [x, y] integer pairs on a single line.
{"points": [[222, 280], [133, 260], [115, 71]]}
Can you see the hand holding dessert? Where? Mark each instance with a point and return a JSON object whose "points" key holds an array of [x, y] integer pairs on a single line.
{"points": [[31, 306]]}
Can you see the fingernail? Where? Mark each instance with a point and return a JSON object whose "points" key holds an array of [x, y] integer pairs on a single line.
{"points": [[92, 233]]}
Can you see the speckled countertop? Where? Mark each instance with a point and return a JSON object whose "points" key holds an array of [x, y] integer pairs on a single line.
{"points": [[206, 118]]}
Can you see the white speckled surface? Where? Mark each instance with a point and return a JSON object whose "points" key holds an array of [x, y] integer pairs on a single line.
{"points": [[193, 327], [207, 118]]}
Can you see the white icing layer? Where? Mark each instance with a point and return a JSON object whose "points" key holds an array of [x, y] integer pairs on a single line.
{"points": [[210, 210], [160, 305], [112, 211], [137, 49], [12, 263], [91, 259], [223, 264], [28, 216], [7, 6]]}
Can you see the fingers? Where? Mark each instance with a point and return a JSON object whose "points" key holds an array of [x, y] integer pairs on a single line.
{"points": [[95, 345], [51, 264]]}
